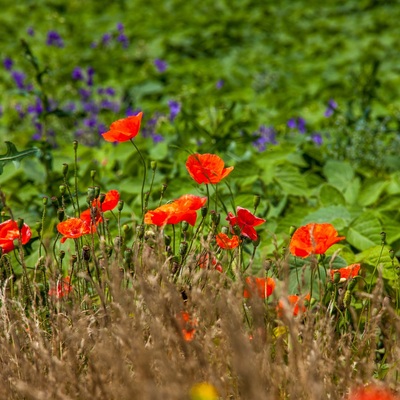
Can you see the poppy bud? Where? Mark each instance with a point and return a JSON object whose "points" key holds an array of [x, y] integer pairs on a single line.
{"points": [[102, 198], [347, 298], [215, 217], [352, 283], [237, 230], [391, 254], [256, 201], [20, 223], [86, 253], [65, 170], [257, 241], [336, 277], [329, 286], [62, 189], [183, 248], [225, 230], [120, 205], [185, 226], [74, 259], [62, 254], [153, 165], [140, 231], [38, 227], [126, 228], [90, 193], [54, 201], [204, 211], [96, 192], [93, 173], [45, 200], [292, 230], [383, 238], [75, 144], [163, 188], [60, 214]]}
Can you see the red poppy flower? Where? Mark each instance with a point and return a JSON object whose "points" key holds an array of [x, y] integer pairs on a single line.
{"points": [[246, 222], [188, 325], [295, 303], [110, 202], [182, 209], [207, 168], [347, 272], [73, 228], [225, 242], [372, 392], [87, 217], [124, 129], [313, 239], [9, 232], [263, 287], [62, 288], [205, 262]]}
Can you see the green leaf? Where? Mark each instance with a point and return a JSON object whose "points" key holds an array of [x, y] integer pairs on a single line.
{"points": [[329, 195], [375, 256], [371, 192], [328, 214], [364, 232], [290, 180], [15, 156], [339, 173]]}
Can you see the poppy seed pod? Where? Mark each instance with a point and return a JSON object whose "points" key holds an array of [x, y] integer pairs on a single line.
{"points": [[65, 170], [120, 205]]}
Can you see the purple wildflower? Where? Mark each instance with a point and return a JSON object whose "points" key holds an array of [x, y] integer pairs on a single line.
{"points": [[54, 39], [36, 108], [292, 123], [20, 110], [90, 107], [110, 105], [8, 63], [330, 109], [161, 65], [220, 83], [70, 107], [174, 109], [106, 38], [77, 74], [90, 122], [265, 135], [85, 94], [301, 125], [19, 79], [157, 138], [30, 31], [109, 91], [317, 138], [102, 128], [123, 39], [120, 27], [90, 73], [130, 111]]}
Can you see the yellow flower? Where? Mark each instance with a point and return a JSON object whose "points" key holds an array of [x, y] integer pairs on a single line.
{"points": [[203, 391]]}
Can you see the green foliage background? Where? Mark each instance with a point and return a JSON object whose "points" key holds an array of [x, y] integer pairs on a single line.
{"points": [[278, 60]]}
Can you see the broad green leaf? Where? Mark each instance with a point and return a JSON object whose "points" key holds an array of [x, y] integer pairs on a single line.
{"points": [[371, 191], [290, 180], [328, 214], [376, 256], [330, 195], [352, 190], [15, 156], [364, 232], [338, 173]]}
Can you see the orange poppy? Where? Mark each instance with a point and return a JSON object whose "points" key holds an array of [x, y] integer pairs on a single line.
{"points": [[110, 202], [313, 239], [263, 287], [124, 129], [225, 242], [246, 222], [62, 288], [347, 272], [207, 168], [91, 217], [372, 392], [205, 262], [296, 304], [182, 209], [73, 228], [188, 325], [9, 232]]}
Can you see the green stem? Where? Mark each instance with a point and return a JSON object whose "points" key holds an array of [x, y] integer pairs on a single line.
{"points": [[144, 177]]}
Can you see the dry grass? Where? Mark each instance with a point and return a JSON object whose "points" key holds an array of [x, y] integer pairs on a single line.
{"points": [[134, 347]]}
